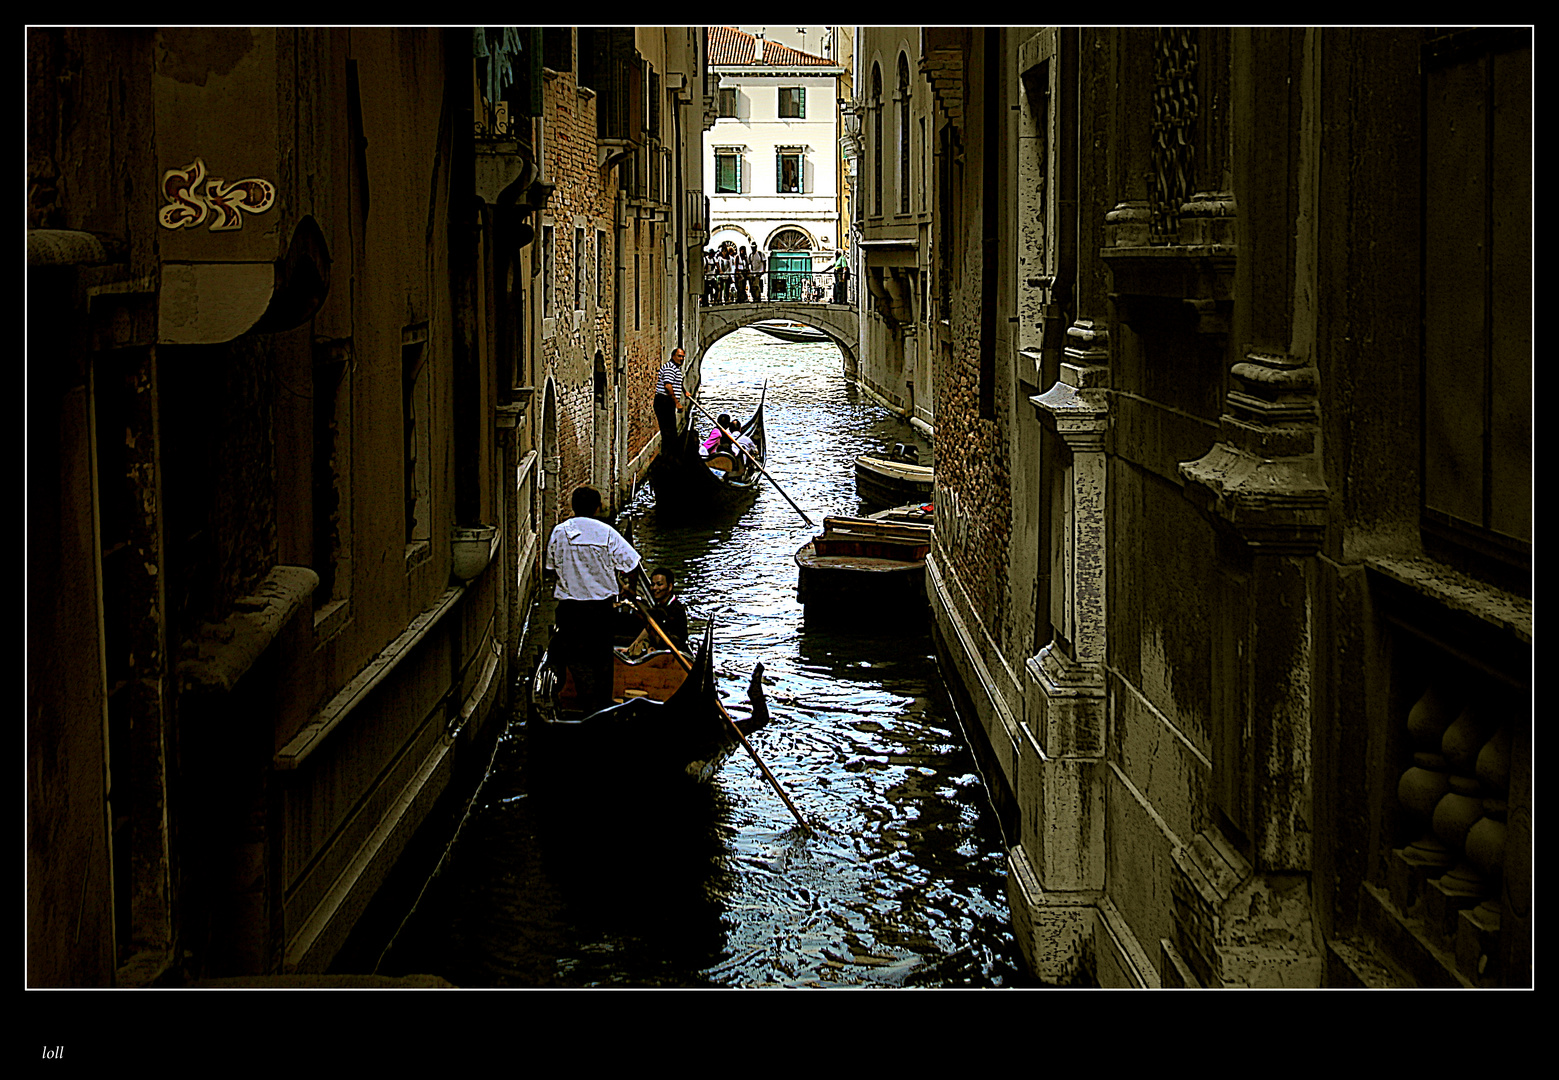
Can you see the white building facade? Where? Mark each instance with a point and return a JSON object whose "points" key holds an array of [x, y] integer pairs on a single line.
{"points": [[771, 159]]}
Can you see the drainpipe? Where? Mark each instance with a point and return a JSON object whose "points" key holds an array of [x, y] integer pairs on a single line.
{"points": [[619, 351], [678, 217]]}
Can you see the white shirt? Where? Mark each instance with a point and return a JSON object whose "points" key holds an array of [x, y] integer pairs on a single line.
{"points": [[587, 552]]}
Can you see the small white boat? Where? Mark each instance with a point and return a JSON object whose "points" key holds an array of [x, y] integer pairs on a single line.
{"points": [[786, 330]]}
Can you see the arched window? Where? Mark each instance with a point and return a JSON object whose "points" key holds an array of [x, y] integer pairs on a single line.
{"points": [[876, 107], [903, 96], [790, 240]]}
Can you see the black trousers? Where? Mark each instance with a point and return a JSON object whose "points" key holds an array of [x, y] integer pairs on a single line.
{"points": [[666, 414], [585, 637]]}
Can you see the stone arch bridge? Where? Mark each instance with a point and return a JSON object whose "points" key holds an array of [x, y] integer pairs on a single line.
{"points": [[838, 321]]}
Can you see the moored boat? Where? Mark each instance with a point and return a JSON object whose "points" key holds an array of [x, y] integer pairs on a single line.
{"points": [[893, 478], [864, 569], [664, 724], [788, 330]]}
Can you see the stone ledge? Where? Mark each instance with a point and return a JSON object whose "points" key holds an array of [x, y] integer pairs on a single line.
{"points": [[1458, 592]]}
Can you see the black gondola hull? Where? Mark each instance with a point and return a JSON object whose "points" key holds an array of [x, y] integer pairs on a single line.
{"points": [[685, 485]]}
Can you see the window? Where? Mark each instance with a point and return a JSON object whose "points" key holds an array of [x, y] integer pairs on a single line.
{"points": [[728, 172], [416, 445], [793, 103], [557, 48], [653, 101], [600, 268], [548, 273], [728, 103], [903, 134], [790, 171], [876, 122], [579, 269], [1477, 314]]}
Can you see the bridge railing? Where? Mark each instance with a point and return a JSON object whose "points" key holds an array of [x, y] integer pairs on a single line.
{"points": [[788, 286]]}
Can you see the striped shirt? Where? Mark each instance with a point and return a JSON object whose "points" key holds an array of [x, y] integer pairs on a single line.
{"points": [[670, 372]]}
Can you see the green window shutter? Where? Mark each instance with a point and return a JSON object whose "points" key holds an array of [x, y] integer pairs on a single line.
{"points": [[738, 174], [779, 172], [801, 103]]}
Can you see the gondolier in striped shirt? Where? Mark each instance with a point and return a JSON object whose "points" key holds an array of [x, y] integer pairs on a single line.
{"points": [[669, 400]]}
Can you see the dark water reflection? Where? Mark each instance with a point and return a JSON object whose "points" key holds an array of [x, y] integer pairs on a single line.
{"points": [[903, 883]]}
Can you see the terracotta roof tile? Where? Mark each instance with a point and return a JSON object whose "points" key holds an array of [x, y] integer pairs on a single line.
{"points": [[729, 47]]}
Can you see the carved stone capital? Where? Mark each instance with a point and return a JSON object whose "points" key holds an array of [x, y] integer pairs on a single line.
{"points": [[1263, 476]]}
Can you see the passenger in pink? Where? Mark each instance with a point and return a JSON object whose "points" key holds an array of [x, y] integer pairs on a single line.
{"points": [[721, 421]]}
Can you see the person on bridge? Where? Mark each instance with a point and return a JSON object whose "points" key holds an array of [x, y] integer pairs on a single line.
{"points": [[727, 272], [587, 555], [742, 268], [757, 267], [841, 278], [670, 399]]}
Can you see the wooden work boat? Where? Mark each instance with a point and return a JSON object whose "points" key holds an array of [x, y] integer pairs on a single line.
{"points": [[686, 482], [787, 330], [665, 724], [893, 478], [864, 568]]}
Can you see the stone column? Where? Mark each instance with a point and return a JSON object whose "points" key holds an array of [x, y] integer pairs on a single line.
{"points": [[1058, 866], [1245, 915]]}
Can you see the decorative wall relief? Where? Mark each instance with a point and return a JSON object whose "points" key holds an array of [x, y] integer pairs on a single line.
{"points": [[952, 524], [223, 203]]}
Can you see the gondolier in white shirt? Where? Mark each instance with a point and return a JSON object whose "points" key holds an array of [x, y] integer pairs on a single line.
{"points": [[669, 400], [587, 555]]}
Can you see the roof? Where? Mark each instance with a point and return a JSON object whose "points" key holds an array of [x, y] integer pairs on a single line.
{"points": [[730, 47]]}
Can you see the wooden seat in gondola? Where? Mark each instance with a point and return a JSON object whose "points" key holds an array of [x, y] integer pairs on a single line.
{"points": [[668, 724]]}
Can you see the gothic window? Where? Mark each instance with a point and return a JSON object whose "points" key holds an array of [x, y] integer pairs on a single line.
{"points": [[903, 96], [876, 120]]}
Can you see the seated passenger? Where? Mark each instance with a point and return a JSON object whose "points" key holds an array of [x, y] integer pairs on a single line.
{"points": [[668, 613], [746, 451], [722, 421]]}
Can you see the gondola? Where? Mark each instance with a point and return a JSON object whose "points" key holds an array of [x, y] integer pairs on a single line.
{"points": [[684, 481], [667, 726]]}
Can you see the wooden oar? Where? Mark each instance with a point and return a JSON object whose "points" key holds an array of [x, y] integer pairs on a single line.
{"points": [[755, 463], [687, 665]]}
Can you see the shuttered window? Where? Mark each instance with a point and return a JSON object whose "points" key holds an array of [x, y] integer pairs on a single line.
{"points": [[793, 103], [790, 172], [728, 173]]}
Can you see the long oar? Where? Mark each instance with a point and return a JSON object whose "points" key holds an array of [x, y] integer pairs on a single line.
{"points": [[687, 665], [756, 464]]}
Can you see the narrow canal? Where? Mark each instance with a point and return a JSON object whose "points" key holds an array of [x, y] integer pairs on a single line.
{"points": [[903, 882]]}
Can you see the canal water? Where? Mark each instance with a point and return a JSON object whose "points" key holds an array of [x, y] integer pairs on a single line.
{"points": [[903, 882]]}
